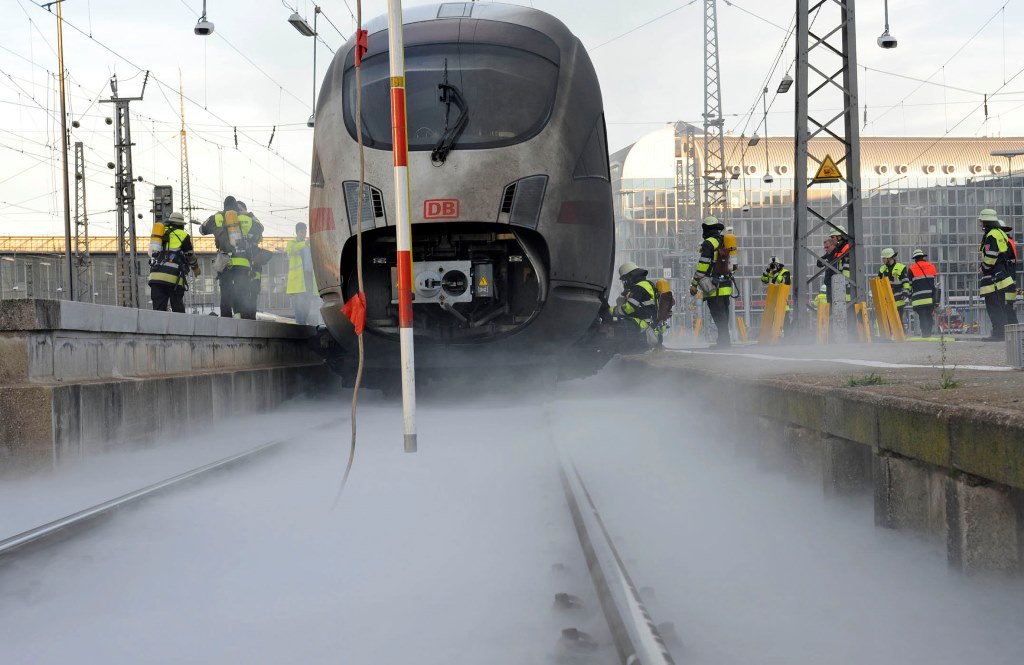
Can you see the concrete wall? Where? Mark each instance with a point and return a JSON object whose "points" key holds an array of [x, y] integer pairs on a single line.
{"points": [[953, 475], [77, 378]]}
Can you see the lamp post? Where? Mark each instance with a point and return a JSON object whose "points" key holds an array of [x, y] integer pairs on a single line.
{"points": [[302, 27], [1009, 155]]}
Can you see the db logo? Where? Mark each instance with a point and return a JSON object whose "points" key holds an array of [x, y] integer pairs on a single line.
{"points": [[441, 209]]}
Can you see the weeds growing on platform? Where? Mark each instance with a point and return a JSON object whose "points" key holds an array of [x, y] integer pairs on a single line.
{"points": [[871, 379]]}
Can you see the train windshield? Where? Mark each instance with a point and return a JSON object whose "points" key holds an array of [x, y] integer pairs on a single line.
{"points": [[508, 95]]}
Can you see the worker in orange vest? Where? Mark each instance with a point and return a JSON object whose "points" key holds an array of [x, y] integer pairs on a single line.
{"points": [[923, 291], [1011, 293]]}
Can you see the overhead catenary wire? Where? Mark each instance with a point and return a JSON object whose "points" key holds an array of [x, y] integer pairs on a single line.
{"points": [[642, 25], [90, 99], [941, 68]]}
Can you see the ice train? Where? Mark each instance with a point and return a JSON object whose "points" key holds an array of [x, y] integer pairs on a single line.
{"points": [[511, 204]]}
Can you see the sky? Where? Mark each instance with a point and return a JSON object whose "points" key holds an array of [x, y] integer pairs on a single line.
{"points": [[256, 74]]}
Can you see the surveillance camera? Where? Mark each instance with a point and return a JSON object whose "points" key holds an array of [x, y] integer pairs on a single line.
{"points": [[745, 208], [204, 28], [310, 122], [885, 40], [768, 178]]}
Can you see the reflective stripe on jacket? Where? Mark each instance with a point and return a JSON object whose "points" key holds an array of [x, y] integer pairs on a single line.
{"points": [[640, 305], [239, 255], [708, 257], [783, 276], [898, 280], [171, 265], [840, 257], [922, 283], [995, 255]]}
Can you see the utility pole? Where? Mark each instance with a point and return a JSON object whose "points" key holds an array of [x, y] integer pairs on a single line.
{"points": [[688, 212], [186, 188], [836, 66], [715, 183], [69, 268], [83, 262], [124, 187]]}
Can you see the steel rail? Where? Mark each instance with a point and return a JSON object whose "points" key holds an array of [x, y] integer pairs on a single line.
{"points": [[40, 534], [636, 637]]}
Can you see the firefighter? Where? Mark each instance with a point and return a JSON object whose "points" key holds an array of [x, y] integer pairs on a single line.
{"points": [[995, 278], [636, 308], [777, 273], [300, 274], [170, 266], [1011, 293], [923, 291], [714, 277], [258, 259], [822, 297], [899, 278], [234, 234], [837, 254]]}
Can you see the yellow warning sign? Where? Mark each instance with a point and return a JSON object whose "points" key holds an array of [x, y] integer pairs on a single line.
{"points": [[828, 171], [483, 281]]}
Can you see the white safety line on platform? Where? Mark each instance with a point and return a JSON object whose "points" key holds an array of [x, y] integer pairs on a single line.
{"points": [[845, 361]]}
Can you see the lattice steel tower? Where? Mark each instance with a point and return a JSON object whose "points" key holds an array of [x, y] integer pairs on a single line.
{"points": [[830, 51], [83, 262], [715, 182], [128, 287], [186, 189]]}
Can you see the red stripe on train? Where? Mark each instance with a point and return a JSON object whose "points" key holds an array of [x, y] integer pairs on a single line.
{"points": [[320, 220]]}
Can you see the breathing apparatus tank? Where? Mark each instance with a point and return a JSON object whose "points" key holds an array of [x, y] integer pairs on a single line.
{"points": [[156, 239], [234, 229], [729, 244]]}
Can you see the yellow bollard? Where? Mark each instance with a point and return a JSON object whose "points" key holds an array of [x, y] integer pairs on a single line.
{"points": [[741, 326], [767, 319], [886, 311], [696, 329], [863, 327], [774, 314], [824, 309]]}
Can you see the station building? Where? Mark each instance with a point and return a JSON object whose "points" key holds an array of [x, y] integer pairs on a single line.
{"points": [[917, 192], [34, 267]]}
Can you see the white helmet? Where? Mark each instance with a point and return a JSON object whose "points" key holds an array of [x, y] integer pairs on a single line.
{"points": [[709, 221], [988, 216], [839, 231], [888, 253], [918, 254], [627, 268], [176, 218]]}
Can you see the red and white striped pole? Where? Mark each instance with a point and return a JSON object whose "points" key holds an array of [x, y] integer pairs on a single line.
{"points": [[400, 147]]}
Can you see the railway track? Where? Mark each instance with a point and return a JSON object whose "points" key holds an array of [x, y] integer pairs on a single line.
{"points": [[637, 639], [63, 527]]}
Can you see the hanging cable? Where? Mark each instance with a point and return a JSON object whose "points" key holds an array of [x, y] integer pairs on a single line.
{"points": [[764, 105], [359, 300]]}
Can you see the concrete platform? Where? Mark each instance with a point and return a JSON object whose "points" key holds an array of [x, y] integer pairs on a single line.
{"points": [[76, 378], [942, 425]]}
